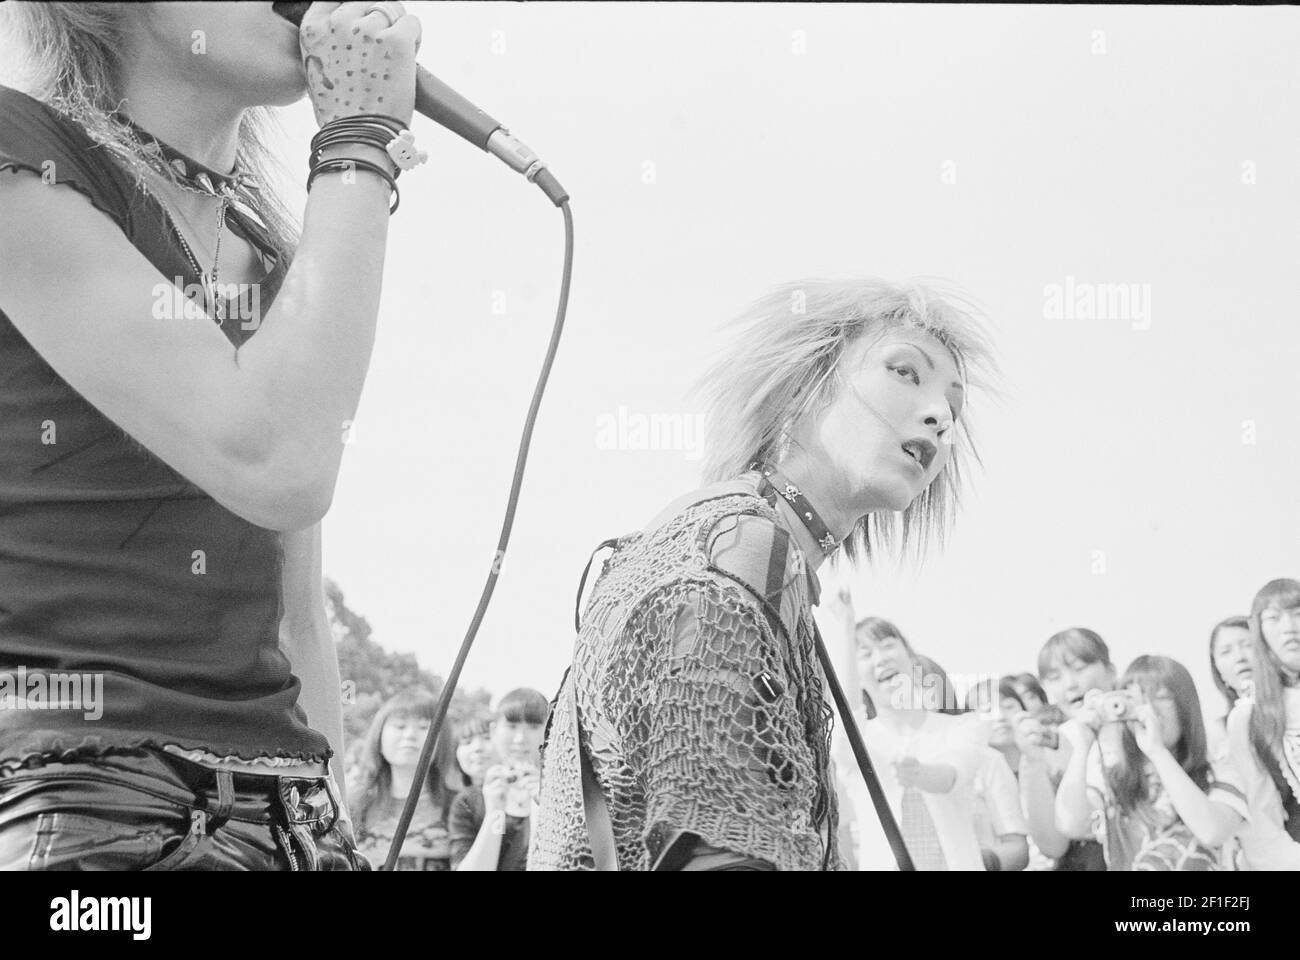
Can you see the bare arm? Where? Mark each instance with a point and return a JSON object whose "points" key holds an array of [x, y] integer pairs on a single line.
{"points": [[1210, 822], [259, 429], [486, 851], [308, 642], [1037, 796], [1073, 809]]}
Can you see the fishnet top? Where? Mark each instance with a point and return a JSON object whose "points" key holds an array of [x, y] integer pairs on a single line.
{"points": [[700, 697]]}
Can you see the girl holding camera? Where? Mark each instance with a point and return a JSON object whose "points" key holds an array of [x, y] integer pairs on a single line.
{"points": [[1139, 778]]}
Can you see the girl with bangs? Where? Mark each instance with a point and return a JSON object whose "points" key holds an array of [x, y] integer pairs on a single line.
{"points": [[927, 753], [1144, 787], [386, 774], [691, 731], [1071, 663], [1264, 730]]}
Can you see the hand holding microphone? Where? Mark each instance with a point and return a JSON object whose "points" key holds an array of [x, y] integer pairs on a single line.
{"points": [[360, 59], [421, 91]]}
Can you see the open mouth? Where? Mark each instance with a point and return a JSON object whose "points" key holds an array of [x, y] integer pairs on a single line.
{"points": [[293, 12], [922, 451]]}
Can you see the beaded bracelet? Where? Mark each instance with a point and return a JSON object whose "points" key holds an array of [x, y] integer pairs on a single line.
{"points": [[346, 164]]}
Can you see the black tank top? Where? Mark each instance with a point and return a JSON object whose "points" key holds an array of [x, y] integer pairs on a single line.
{"points": [[100, 574]]}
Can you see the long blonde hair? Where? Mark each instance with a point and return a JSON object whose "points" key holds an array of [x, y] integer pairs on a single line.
{"points": [[783, 367], [68, 56]]}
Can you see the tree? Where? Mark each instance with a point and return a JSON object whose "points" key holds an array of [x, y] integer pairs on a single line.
{"points": [[371, 674]]}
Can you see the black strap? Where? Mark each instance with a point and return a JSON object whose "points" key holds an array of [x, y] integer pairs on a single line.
{"points": [[774, 482], [892, 833], [582, 584]]}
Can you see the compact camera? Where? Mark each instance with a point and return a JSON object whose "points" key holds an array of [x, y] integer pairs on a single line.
{"points": [[520, 791], [1050, 717], [1116, 706]]}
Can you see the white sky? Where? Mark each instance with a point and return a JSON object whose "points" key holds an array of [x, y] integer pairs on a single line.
{"points": [[770, 165]]}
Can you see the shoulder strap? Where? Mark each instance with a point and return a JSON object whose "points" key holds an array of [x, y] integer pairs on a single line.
{"points": [[582, 584], [600, 830]]}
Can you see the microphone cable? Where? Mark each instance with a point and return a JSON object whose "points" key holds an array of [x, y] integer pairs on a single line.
{"points": [[560, 198]]}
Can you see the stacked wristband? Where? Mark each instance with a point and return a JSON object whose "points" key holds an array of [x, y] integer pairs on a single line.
{"points": [[369, 129]]}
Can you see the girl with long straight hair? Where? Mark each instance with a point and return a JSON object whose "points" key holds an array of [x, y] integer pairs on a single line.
{"points": [[1149, 794], [386, 775], [178, 365], [1264, 730]]}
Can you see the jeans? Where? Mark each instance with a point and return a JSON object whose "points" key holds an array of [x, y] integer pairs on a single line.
{"points": [[150, 810]]}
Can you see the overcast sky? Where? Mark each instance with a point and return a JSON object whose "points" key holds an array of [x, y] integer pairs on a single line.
{"points": [[1140, 473]]}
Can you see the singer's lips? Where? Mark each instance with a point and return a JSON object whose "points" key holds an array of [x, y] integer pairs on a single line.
{"points": [[293, 12], [921, 450]]}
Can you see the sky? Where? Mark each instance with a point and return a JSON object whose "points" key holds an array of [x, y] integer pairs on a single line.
{"points": [[1139, 475]]}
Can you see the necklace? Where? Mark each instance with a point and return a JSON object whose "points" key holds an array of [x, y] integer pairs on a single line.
{"points": [[194, 177], [775, 482]]}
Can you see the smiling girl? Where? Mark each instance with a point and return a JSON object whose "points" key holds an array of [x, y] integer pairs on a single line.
{"points": [[1145, 787], [1071, 663], [928, 760]]}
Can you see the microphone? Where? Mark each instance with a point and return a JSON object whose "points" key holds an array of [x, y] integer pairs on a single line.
{"points": [[447, 108]]}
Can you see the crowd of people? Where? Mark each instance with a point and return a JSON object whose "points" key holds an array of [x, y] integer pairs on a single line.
{"points": [[1079, 766], [1074, 766], [476, 800]]}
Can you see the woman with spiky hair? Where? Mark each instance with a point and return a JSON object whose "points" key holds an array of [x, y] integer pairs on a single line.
{"points": [[1264, 730], [692, 731], [169, 447]]}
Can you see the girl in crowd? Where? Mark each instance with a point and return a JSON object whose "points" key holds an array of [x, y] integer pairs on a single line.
{"points": [[1264, 730], [1230, 662], [926, 760], [1071, 664], [392, 753], [1144, 787], [491, 821], [1030, 691], [999, 822], [474, 751]]}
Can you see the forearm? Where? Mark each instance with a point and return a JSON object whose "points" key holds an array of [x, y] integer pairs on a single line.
{"points": [[485, 853], [1211, 823], [1039, 802], [304, 370], [1073, 812]]}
